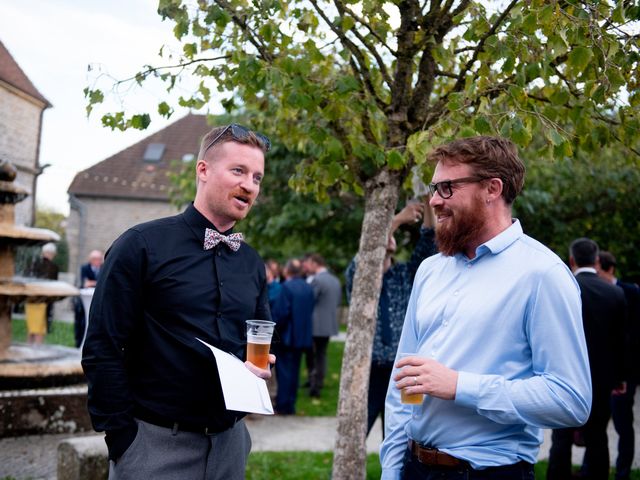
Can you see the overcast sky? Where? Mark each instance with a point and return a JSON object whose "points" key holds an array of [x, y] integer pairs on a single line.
{"points": [[54, 41]]}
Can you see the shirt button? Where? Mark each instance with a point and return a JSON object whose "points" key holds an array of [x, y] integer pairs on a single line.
{"points": [[219, 253], [468, 265], [445, 323], [456, 293], [221, 283]]}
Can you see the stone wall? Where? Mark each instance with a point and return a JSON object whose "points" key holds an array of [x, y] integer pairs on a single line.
{"points": [[55, 410], [96, 222], [19, 139]]}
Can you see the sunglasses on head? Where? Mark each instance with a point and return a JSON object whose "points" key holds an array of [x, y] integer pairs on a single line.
{"points": [[239, 132]]}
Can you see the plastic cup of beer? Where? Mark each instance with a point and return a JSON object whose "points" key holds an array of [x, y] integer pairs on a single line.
{"points": [[259, 334], [410, 398]]}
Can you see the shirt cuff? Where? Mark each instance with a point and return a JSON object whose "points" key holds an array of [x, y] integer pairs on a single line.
{"points": [[391, 474], [468, 389]]}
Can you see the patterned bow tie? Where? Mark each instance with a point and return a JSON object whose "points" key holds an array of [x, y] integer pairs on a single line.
{"points": [[213, 238]]}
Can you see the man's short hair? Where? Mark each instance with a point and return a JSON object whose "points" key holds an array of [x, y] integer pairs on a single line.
{"points": [[491, 157], [49, 248], [293, 267], [250, 139], [607, 260], [584, 252], [316, 258]]}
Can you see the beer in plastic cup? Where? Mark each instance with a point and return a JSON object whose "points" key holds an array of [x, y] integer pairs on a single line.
{"points": [[259, 334], [410, 398]]}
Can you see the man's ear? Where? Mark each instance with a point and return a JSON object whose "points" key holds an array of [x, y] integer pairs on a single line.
{"points": [[494, 189], [201, 169]]}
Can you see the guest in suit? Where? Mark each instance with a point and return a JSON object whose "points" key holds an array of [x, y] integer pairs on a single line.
{"points": [[292, 312], [604, 316], [89, 273], [328, 295], [622, 405]]}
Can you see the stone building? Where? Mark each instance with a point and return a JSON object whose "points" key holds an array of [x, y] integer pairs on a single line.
{"points": [[21, 110], [128, 188]]}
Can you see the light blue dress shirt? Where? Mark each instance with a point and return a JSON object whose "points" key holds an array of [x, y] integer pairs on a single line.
{"points": [[510, 322]]}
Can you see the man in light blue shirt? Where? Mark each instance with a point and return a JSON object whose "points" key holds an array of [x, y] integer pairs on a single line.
{"points": [[494, 325]]}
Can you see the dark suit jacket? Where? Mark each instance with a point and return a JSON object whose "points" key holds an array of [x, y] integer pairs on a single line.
{"points": [[293, 313], [86, 273], [632, 294], [604, 313]]}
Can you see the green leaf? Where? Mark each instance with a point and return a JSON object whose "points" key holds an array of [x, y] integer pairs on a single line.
{"points": [[418, 145], [348, 23], [139, 122], [482, 125], [347, 84], [579, 58], [530, 24], [395, 160], [190, 49], [559, 97], [164, 109], [520, 134], [455, 102]]}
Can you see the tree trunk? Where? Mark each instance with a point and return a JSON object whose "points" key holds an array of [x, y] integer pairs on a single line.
{"points": [[381, 198]]}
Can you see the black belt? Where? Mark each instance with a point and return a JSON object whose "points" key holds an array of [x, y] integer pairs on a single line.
{"points": [[175, 426]]}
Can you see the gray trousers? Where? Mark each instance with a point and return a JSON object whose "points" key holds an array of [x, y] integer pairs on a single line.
{"points": [[158, 453]]}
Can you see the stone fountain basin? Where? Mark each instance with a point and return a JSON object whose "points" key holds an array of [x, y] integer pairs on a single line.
{"points": [[40, 366], [36, 290], [21, 235]]}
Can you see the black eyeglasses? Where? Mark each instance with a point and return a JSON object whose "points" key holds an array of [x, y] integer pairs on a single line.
{"points": [[239, 133], [445, 189]]}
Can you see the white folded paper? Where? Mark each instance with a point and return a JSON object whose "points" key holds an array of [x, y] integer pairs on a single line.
{"points": [[242, 390]]}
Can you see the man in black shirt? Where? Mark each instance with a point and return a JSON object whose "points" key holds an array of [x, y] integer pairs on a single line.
{"points": [[153, 387]]}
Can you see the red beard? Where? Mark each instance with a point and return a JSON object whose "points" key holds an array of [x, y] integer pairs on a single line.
{"points": [[462, 228]]}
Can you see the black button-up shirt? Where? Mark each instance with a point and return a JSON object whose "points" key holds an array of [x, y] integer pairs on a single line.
{"points": [[159, 290]]}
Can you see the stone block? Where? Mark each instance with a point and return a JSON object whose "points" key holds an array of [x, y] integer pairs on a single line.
{"points": [[38, 411], [83, 458]]}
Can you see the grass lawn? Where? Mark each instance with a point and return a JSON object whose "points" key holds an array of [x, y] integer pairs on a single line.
{"points": [[61, 334], [327, 404], [300, 466]]}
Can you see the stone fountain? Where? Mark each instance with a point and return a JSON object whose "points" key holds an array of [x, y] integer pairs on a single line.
{"points": [[30, 376]]}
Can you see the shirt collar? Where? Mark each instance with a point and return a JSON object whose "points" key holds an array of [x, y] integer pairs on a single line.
{"points": [[585, 270], [501, 241], [199, 222]]}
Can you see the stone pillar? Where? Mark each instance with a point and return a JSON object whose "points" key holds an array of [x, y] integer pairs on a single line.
{"points": [[83, 458]]}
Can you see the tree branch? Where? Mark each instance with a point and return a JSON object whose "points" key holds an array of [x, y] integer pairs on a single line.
{"points": [[441, 73], [436, 24], [150, 70], [400, 91], [342, 9], [459, 85], [363, 71], [251, 35], [365, 24]]}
